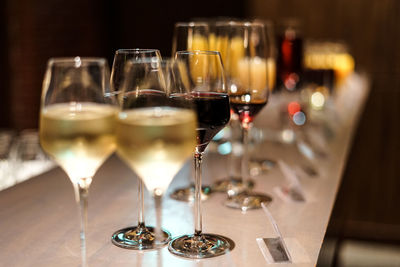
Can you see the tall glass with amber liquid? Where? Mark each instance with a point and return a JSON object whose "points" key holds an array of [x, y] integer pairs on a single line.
{"points": [[77, 123]]}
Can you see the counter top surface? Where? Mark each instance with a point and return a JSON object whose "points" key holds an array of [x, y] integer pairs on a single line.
{"points": [[39, 219]]}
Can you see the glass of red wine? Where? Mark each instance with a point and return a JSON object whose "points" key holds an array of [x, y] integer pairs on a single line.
{"points": [[202, 72], [248, 92], [190, 36], [140, 236]]}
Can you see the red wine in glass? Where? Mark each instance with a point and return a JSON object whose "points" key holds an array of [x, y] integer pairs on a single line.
{"points": [[246, 107], [213, 113]]}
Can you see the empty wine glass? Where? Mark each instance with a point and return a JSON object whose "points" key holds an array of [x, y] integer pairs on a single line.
{"points": [[154, 136], [77, 123], [203, 75], [141, 236]]}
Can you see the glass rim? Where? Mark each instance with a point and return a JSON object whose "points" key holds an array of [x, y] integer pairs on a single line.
{"points": [[198, 52], [152, 60], [241, 23], [78, 61], [191, 24], [136, 50]]}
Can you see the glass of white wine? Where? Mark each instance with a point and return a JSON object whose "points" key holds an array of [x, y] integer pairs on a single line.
{"points": [[140, 236], [77, 123], [154, 135]]}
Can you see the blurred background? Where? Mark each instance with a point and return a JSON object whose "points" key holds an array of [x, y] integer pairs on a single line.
{"points": [[366, 215]]}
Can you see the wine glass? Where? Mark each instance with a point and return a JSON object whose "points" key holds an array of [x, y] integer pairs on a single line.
{"points": [[154, 136], [121, 57], [141, 236], [248, 92], [202, 73], [230, 45], [233, 182], [77, 123], [189, 36], [267, 163]]}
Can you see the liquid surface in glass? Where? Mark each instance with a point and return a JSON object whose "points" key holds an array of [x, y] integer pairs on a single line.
{"points": [[245, 106]]}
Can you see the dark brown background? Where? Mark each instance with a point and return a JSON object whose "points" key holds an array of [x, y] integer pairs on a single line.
{"points": [[368, 204]]}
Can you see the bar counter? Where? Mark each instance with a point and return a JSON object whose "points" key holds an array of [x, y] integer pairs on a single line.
{"points": [[40, 226]]}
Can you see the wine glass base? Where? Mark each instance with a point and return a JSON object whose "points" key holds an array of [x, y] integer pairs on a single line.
{"points": [[139, 238], [200, 246], [247, 201], [232, 185], [187, 194]]}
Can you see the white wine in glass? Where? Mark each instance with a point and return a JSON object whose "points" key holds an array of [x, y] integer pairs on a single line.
{"points": [[77, 123], [78, 136], [155, 142], [139, 236], [155, 136]]}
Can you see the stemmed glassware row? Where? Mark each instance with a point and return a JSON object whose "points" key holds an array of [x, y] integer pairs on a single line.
{"points": [[155, 115], [153, 128], [246, 54]]}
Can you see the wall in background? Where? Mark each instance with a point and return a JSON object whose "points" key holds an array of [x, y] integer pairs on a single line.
{"points": [[33, 31]]}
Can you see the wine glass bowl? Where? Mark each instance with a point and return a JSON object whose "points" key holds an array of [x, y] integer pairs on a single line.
{"points": [[121, 57]]}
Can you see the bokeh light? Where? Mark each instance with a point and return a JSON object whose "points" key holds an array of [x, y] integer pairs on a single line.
{"points": [[299, 118], [293, 107], [317, 100]]}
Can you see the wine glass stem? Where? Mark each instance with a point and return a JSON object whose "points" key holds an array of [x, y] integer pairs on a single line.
{"points": [[83, 192], [245, 155], [141, 204], [157, 194], [197, 194]]}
